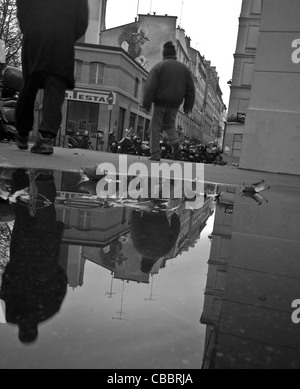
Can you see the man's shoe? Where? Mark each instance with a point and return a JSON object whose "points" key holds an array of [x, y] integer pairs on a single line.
{"points": [[43, 146], [21, 141], [156, 159]]}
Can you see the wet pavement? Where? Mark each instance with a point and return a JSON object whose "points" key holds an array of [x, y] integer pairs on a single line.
{"points": [[96, 281]]}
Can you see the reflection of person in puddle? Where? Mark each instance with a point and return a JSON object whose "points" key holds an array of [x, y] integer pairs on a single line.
{"points": [[34, 285], [153, 235]]}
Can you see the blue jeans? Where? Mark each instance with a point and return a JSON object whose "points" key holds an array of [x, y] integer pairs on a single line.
{"points": [[163, 120]]}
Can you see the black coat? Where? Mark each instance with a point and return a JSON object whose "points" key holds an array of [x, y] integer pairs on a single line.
{"points": [[170, 83], [34, 285], [152, 234], [50, 29]]}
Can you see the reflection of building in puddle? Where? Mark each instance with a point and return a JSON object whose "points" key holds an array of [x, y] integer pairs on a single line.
{"points": [[88, 226], [192, 224], [252, 280], [109, 237], [89, 231]]}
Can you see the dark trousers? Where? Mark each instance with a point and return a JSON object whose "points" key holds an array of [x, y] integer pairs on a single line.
{"points": [[54, 96], [163, 120]]}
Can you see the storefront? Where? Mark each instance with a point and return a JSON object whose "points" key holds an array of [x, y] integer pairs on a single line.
{"points": [[83, 110], [87, 111]]}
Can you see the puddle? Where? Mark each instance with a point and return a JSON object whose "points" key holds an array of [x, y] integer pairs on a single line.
{"points": [[107, 273]]}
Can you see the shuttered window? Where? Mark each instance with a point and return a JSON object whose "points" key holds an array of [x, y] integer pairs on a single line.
{"points": [[96, 73]]}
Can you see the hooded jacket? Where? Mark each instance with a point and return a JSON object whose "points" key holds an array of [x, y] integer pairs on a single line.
{"points": [[50, 29], [170, 83]]}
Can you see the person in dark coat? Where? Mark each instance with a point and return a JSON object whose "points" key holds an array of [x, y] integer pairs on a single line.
{"points": [[34, 285], [50, 29], [154, 236], [170, 83]]}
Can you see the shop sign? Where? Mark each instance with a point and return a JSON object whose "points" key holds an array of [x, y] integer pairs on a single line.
{"points": [[229, 209], [241, 117], [103, 97]]}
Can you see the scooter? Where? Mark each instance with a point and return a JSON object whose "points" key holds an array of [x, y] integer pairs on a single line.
{"points": [[114, 147], [142, 148], [165, 149], [80, 141], [126, 145], [146, 149], [193, 154], [10, 85], [113, 144]]}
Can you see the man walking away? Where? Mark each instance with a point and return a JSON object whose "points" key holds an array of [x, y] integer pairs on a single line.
{"points": [[50, 29], [170, 83]]}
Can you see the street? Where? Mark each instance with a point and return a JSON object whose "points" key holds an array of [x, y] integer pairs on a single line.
{"points": [[74, 159]]}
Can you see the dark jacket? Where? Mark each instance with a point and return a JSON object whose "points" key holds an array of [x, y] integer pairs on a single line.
{"points": [[50, 29], [170, 83], [152, 234], [34, 285]]}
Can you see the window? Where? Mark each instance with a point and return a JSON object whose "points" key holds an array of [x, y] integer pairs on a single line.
{"points": [[237, 145], [82, 116], [243, 105], [140, 126], [96, 73], [136, 88], [78, 70], [84, 221], [256, 6], [253, 35], [64, 215], [132, 120], [143, 86], [247, 75]]}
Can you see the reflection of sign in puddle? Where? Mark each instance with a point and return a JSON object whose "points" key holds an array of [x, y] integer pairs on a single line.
{"points": [[2, 312]]}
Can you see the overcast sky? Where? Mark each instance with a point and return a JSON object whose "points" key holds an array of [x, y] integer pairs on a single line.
{"points": [[211, 24]]}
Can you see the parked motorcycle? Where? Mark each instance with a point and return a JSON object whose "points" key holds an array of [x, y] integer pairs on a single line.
{"points": [[80, 141], [211, 155], [138, 141], [112, 143], [146, 151], [126, 145], [219, 160], [114, 147], [10, 85], [165, 149], [142, 148], [193, 154]]}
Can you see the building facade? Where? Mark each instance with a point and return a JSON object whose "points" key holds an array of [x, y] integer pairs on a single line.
{"points": [[111, 68], [252, 280], [241, 83], [272, 131], [106, 97], [107, 71], [262, 130], [143, 40]]}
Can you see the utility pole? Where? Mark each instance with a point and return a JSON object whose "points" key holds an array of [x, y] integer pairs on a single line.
{"points": [[180, 20]]}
